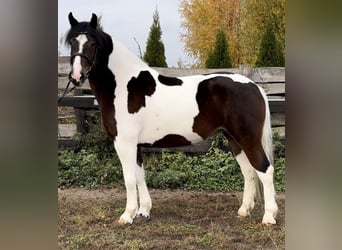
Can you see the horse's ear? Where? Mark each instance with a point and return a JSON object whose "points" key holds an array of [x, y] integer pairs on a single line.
{"points": [[93, 21], [72, 20]]}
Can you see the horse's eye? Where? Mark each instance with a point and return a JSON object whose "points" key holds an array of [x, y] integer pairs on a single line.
{"points": [[92, 44], [72, 40]]}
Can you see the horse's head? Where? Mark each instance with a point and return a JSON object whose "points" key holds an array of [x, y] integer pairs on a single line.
{"points": [[90, 47]]}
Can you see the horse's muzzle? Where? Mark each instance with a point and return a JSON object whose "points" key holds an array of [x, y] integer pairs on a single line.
{"points": [[83, 77]]}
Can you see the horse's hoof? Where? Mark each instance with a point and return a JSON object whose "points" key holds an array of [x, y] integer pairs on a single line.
{"points": [[122, 222], [269, 216], [144, 217], [269, 223], [141, 219], [125, 221], [243, 212], [268, 220]]}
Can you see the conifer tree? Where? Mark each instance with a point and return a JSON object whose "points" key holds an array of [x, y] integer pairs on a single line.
{"points": [[219, 57], [270, 52], [155, 53]]}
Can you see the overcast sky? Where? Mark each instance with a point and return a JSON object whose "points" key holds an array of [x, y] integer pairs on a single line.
{"points": [[125, 20]]}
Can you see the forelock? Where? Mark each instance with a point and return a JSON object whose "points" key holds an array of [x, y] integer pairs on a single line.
{"points": [[82, 27]]}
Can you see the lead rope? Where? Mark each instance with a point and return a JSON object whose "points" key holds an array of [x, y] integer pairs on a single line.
{"points": [[66, 91], [62, 96]]}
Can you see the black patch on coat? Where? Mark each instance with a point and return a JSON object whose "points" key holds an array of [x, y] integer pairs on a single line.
{"points": [[138, 88], [238, 109], [103, 84], [168, 141], [171, 140], [170, 81]]}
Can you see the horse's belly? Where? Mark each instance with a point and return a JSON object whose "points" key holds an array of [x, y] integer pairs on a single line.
{"points": [[157, 126], [166, 117]]}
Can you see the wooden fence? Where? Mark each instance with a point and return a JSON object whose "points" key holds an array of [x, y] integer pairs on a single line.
{"points": [[84, 103]]}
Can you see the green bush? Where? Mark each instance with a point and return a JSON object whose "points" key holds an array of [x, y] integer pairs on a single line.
{"points": [[279, 175], [85, 169], [93, 163], [216, 170], [279, 146]]}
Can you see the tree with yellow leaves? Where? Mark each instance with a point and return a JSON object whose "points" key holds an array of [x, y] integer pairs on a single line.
{"points": [[202, 20], [243, 22], [255, 16]]}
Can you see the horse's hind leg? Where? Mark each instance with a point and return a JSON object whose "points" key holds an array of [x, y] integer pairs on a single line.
{"points": [[271, 207], [250, 179], [254, 163], [250, 184], [264, 170]]}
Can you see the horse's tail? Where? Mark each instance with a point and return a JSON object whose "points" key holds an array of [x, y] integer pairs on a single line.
{"points": [[266, 141], [266, 138]]}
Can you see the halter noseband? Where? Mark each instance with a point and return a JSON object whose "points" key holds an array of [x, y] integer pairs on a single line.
{"points": [[90, 61]]}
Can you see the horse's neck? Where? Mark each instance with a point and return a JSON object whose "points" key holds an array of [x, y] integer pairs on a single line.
{"points": [[124, 63]]}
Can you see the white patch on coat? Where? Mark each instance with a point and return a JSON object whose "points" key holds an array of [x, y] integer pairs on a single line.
{"points": [[76, 66], [170, 109], [234, 77], [239, 78]]}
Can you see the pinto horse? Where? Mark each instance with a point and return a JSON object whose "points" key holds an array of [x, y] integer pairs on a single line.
{"points": [[140, 107]]}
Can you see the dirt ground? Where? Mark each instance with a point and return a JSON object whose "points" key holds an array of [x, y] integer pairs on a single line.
{"points": [[179, 220]]}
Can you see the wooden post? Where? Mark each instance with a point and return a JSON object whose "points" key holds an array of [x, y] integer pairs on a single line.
{"points": [[87, 115]]}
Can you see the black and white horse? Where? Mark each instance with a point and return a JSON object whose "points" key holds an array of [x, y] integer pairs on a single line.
{"points": [[139, 106]]}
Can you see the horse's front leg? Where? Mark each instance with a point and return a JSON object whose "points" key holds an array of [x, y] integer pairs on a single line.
{"points": [[126, 148], [144, 196]]}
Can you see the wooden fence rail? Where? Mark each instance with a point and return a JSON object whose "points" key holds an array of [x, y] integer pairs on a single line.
{"points": [[277, 105]]}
